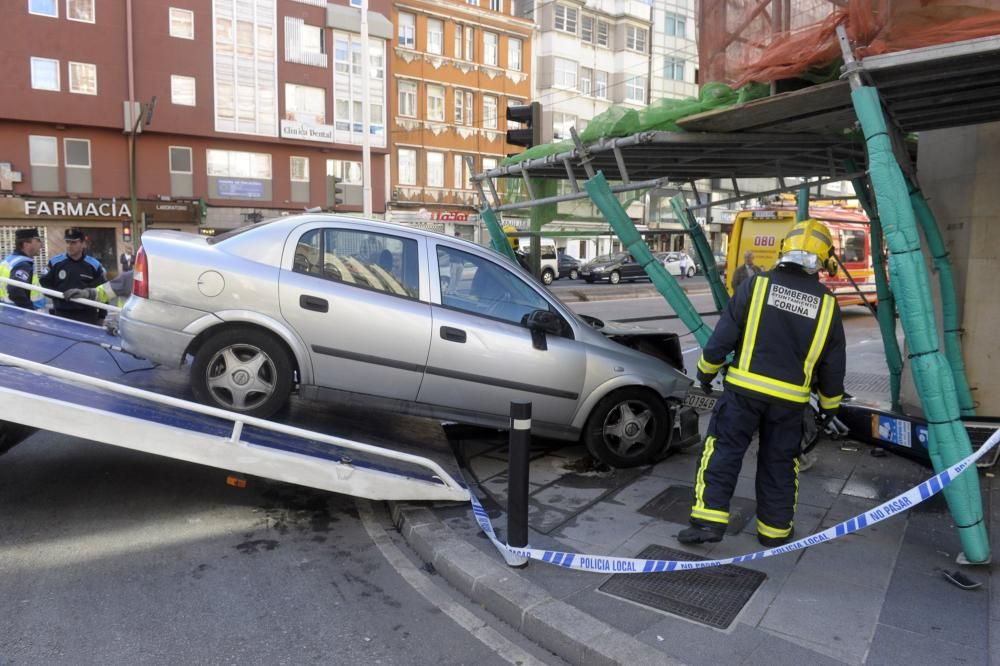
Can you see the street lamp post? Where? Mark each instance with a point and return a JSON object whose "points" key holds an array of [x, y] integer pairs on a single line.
{"points": [[145, 116]]}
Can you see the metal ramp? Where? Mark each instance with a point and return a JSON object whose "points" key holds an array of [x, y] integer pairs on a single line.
{"points": [[73, 379]]}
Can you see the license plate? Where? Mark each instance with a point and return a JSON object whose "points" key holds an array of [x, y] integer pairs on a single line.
{"points": [[700, 401]]}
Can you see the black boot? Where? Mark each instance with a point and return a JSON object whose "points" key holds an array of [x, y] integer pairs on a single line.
{"points": [[774, 542], [700, 533]]}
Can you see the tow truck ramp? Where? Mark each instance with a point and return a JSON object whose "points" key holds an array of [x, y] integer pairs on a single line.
{"points": [[80, 403]]}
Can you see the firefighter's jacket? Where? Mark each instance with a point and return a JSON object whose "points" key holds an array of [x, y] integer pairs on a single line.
{"points": [[786, 331]]}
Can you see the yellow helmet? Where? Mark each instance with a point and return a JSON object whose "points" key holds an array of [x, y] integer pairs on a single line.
{"points": [[810, 245]]}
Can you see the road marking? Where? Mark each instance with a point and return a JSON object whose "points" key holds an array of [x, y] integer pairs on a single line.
{"points": [[422, 583]]}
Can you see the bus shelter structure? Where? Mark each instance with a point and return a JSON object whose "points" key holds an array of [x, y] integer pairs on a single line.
{"points": [[864, 128]]}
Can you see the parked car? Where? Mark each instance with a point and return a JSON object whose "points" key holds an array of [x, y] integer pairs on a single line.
{"points": [[568, 266], [390, 317], [720, 263], [614, 268], [549, 265], [677, 263]]}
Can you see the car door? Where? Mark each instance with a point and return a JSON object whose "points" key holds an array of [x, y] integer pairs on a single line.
{"points": [[352, 293], [481, 354], [631, 269]]}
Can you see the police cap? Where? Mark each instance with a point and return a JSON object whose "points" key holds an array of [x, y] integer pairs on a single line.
{"points": [[26, 235], [74, 234]]}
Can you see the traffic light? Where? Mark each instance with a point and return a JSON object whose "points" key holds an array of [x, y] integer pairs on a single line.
{"points": [[529, 115], [335, 191]]}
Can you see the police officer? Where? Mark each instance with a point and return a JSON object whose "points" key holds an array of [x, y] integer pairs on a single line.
{"points": [[785, 329], [74, 270], [20, 266]]}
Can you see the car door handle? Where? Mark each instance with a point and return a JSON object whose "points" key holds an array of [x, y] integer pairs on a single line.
{"points": [[313, 303], [452, 334]]}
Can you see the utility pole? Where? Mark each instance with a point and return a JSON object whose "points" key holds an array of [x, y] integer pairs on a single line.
{"points": [[366, 148], [144, 117]]}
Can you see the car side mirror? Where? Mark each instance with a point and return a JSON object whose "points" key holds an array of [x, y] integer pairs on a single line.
{"points": [[540, 323]]}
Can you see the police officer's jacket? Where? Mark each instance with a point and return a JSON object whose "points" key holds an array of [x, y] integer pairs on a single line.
{"points": [[786, 331], [20, 267], [66, 273]]}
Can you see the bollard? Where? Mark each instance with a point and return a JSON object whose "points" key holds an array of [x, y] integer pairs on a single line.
{"points": [[517, 476]]}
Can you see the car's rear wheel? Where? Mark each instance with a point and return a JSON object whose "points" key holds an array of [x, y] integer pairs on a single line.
{"points": [[548, 276], [615, 277], [628, 427], [243, 370], [691, 271], [574, 274]]}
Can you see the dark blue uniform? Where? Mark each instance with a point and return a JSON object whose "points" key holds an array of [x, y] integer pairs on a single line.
{"points": [[22, 269], [66, 273], [785, 329]]}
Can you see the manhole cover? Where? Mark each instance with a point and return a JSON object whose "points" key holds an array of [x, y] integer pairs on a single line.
{"points": [[712, 596], [674, 505]]}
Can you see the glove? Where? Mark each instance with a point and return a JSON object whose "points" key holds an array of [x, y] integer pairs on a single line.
{"points": [[89, 294], [825, 415], [706, 381]]}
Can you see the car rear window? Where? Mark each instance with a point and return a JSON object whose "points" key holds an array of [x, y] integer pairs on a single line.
{"points": [[212, 240]]}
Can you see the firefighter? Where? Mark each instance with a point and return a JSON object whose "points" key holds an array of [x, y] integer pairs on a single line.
{"points": [[785, 329], [74, 270], [20, 266]]}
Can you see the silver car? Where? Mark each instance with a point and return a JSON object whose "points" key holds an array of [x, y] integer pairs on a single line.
{"points": [[390, 317]]}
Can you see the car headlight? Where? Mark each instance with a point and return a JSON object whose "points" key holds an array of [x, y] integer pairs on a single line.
{"points": [[598, 269]]}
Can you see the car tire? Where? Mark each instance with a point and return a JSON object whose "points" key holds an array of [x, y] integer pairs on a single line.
{"points": [[691, 271], [615, 277], [628, 427], [234, 359], [574, 274], [548, 276]]}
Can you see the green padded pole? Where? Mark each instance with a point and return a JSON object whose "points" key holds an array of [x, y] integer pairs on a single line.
{"points": [[886, 312], [949, 303], [949, 441], [802, 204], [602, 196], [498, 239], [702, 249]]}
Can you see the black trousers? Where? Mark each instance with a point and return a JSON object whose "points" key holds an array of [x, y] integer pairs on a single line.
{"points": [[735, 419], [88, 316]]}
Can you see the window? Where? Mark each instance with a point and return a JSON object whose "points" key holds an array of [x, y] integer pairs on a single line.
{"points": [[305, 104], [561, 124], [408, 99], [491, 48], [406, 160], [566, 18], [181, 23], [673, 69], [435, 102], [350, 173], [587, 29], [83, 78], [435, 36], [635, 89], [470, 43], [182, 90], [377, 262], [180, 160], [77, 153], [43, 151], [485, 289], [355, 3], [44, 74], [469, 112], [244, 72], [298, 168], [603, 33], [236, 164], [514, 54], [489, 163], [490, 111], [461, 175], [304, 43], [601, 84], [586, 80], [676, 25], [435, 169], [80, 10], [459, 107], [496, 5], [350, 90], [44, 8], [853, 246], [458, 42], [565, 73], [635, 38], [407, 30]]}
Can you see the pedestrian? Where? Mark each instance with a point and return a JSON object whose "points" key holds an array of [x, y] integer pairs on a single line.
{"points": [[74, 270], [20, 266], [785, 329], [126, 260], [115, 291], [747, 270]]}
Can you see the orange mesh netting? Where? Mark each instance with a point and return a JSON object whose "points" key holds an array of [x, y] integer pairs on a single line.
{"points": [[770, 40]]}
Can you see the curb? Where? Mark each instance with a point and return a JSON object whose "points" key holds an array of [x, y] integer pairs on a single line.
{"points": [[555, 625]]}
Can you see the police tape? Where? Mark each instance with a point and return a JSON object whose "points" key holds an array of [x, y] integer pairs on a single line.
{"points": [[603, 564]]}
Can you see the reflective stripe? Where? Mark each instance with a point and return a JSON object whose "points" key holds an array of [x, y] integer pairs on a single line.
{"points": [[750, 336], [699, 510], [767, 385], [819, 338], [795, 500], [709, 368], [711, 515], [773, 532], [815, 233], [830, 403]]}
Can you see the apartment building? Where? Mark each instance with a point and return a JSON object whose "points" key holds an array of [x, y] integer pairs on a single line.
{"points": [[456, 65], [258, 104]]}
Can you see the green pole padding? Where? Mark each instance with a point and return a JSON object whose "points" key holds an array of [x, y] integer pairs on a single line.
{"points": [[886, 312], [498, 239], [702, 249], [802, 204], [949, 302], [949, 441], [602, 196]]}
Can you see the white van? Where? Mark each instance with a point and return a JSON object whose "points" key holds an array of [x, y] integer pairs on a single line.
{"points": [[549, 261]]}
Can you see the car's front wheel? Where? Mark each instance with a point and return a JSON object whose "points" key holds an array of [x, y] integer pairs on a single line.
{"points": [[691, 271], [548, 276], [615, 277], [628, 427], [574, 274], [243, 370]]}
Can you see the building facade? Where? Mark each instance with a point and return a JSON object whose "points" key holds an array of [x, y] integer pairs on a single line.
{"points": [[457, 65], [257, 106]]}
